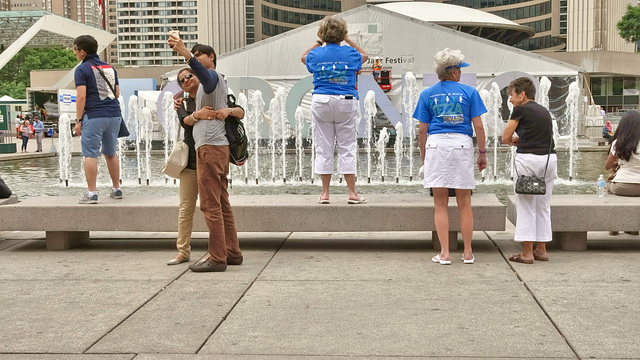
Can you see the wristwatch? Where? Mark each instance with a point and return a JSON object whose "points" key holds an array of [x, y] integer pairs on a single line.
{"points": [[193, 116], [231, 113]]}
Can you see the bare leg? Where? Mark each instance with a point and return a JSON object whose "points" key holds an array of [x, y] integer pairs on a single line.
{"points": [[463, 198], [540, 251], [326, 181], [91, 173], [113, 165], [350, 179], [527, 250], [441, 217]]}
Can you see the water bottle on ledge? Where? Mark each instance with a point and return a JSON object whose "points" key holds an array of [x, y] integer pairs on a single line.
{"points": [[600, 184]]}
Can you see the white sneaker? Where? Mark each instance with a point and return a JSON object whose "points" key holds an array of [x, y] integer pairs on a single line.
{"points": [[117, 194], [88, 199]]}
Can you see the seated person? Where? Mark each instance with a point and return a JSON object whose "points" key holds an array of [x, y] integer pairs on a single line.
{"points": [[607, 131]]}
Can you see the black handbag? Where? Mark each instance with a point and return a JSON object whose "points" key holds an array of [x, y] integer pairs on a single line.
{"points": [[5, 192], [533, 185]]}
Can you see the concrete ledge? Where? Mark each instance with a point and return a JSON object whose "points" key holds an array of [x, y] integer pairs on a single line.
{"points": [[572, 216], [13, 199], [253, 213], [600, 140]]}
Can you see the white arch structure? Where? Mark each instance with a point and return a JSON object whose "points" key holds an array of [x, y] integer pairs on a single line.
{"points": [[50, 23]]}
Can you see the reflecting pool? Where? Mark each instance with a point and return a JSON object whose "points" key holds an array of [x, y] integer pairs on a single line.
{"points": [[40, 177]]}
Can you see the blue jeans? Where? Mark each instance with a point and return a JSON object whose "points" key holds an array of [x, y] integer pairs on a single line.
{"points": [[25, 140]]}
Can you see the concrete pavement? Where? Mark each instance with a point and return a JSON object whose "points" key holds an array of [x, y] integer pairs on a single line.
{"points": [[316, 296]]}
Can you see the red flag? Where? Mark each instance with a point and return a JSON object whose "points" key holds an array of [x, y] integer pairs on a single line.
{"points": [[101, 6]]}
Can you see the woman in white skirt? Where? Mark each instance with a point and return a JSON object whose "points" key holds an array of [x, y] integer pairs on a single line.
{"points": [[530, 129], [448, 113]]}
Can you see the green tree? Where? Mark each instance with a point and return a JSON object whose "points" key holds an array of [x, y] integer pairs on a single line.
{"points": [[15, 90], [15, 74], [629, 25]]}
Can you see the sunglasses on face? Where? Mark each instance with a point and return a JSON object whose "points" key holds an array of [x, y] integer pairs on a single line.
{"points": [[181, 81]]}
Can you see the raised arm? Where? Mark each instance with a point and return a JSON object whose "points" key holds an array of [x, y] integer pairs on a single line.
{"points": [[353, 44]]}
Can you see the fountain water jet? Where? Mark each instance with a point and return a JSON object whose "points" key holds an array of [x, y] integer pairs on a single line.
{"points": [[171, 128], [254, 119], [399, 150], [299, 140], [66, 147], [121, 141], [370, 110], [381, 146], [410, 96]]}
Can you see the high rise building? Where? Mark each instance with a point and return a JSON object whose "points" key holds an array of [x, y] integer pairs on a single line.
{"points": [[84, 11], [547, 17], [273, 17], [222, 24], [25, 5], [561, 25], [143, 27]]}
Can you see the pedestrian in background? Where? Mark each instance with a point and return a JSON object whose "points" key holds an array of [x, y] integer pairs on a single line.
{"points": [[38, 130], [26, 130]]}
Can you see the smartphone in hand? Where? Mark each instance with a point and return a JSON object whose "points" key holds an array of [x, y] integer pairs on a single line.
{"points": [[175, 33]]}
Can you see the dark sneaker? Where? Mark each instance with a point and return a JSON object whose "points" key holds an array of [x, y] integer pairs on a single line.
{"points": [[88, 199], [234, 260], [208, 266], [117, 194]]}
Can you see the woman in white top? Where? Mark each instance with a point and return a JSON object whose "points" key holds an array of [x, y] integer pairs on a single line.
{"points": [[625, 153]]}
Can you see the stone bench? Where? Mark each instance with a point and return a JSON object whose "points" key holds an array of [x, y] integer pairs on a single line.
{"points": [[572, 216], [68, 223]]}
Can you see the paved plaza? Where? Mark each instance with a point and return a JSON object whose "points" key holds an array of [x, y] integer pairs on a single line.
{"points": [[316, 296]]}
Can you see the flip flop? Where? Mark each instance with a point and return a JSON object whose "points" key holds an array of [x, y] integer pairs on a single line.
{"points": [[436, 259], [470, 261], [540, 258], [360, 200], [323, 201], [517, 258]]}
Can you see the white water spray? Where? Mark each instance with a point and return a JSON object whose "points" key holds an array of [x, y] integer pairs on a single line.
{"points": [[410, 96], [370, 110], [398, 149], [65, 144]]}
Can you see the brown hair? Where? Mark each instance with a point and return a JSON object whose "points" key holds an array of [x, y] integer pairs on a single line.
{"points": [[332, 30], [523, 84]]}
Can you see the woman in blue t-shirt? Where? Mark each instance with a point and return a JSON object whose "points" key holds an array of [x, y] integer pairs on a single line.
{"points": [[334, 103], [449, 112]]}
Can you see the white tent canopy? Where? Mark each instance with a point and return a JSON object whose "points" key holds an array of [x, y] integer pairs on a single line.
{"points": [[403, 43]]}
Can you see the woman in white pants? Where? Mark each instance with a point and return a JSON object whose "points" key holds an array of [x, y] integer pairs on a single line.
{"points": [[334, 103], [530, 129]]}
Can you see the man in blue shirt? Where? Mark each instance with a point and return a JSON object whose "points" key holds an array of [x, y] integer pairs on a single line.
{"points": [[38, 129], [98, 116]]}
